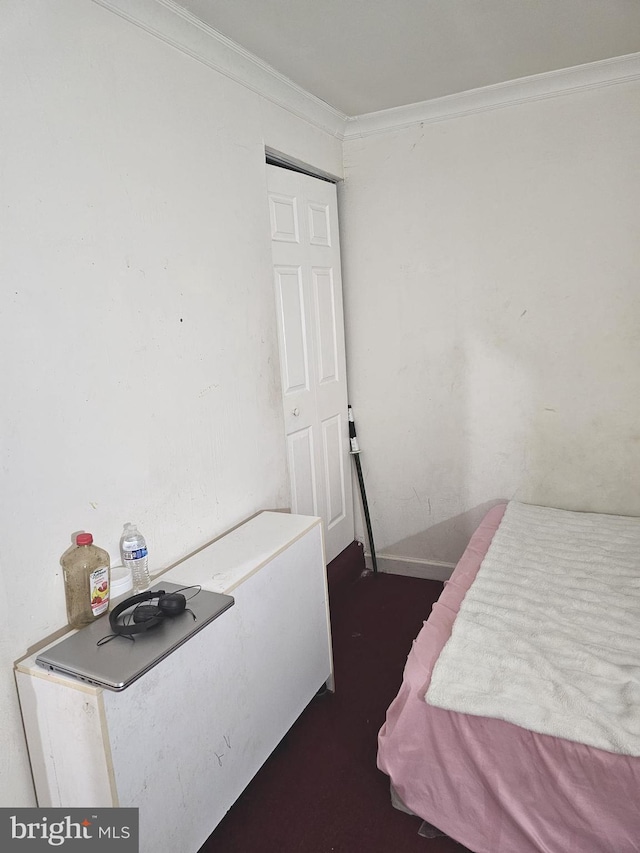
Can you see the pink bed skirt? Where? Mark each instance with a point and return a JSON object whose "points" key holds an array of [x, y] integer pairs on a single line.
{"points": [[492, 786]]}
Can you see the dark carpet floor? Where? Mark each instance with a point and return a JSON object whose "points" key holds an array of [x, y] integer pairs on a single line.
{"points": [[320, 791]]}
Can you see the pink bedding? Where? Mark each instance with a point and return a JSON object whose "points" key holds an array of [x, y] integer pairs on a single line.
{"points": [[493, 786]]}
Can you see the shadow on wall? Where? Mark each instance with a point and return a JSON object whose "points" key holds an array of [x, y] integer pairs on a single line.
{"points": [[444, 542]]}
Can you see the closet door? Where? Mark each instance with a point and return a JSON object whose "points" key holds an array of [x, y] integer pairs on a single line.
{"points": [[303, 215]]}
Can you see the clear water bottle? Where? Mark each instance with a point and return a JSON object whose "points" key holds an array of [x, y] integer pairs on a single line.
{"points": [[133, 550]]}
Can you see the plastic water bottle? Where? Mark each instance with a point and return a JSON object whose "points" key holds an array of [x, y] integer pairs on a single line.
{"points": [[133, 550]]}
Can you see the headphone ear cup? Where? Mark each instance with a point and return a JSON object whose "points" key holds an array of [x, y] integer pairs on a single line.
{"points": [[120, 628], [147, 615], [172, 603]]}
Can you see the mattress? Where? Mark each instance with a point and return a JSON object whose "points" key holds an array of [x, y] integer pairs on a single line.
{"points": [[530, 645], [491, 785]]}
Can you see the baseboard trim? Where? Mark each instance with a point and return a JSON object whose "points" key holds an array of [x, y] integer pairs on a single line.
{"points": [[433, 570]]}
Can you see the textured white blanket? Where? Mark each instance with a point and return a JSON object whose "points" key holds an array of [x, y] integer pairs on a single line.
{"points": [[548, 635]]}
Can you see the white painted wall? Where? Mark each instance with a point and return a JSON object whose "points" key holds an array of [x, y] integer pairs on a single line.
{"points": [[491, 286], [492, 296], [140, 365]]}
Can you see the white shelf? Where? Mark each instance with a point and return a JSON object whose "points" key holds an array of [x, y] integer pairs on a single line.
{"points": [[186, 738]]}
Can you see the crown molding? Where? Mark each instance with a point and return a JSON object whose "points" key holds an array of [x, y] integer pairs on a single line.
{"points": [[169, 22], [551, 84]]}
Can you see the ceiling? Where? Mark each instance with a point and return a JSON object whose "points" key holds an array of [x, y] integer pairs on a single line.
{"points": [[361, 56]]}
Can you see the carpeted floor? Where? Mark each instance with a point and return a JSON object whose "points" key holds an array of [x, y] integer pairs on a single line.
{"points": [[320, 791]]}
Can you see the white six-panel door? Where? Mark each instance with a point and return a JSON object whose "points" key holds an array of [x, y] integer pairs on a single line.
{"points": [[303, 215]]}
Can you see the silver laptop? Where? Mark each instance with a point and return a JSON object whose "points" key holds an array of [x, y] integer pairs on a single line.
{"points": [[120, 661]]}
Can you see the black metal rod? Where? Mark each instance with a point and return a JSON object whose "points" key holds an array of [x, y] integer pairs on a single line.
{"points": [[355, 452]]}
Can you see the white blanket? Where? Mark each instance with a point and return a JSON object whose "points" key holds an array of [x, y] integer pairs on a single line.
{"points": [[548, 635]]}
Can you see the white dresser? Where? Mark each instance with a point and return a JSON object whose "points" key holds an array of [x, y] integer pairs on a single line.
{"points": [[182, 742]]}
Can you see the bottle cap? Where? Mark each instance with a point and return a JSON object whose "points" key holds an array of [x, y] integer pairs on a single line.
{"points": [[84, 539]]}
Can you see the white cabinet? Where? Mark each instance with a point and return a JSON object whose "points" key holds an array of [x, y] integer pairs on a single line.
{"points": [[182, 742]]}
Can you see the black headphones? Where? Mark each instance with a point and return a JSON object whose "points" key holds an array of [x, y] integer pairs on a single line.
{"points": [[146, 616]]}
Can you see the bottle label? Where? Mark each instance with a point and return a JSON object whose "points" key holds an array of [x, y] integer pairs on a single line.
{"points": [[99, 590], [138, 554]]}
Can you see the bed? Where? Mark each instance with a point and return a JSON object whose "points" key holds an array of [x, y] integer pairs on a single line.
{"points": [[499, 787]]}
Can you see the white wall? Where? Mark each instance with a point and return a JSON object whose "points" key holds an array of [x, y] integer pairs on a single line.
{"points": [[138, 335], [492, 290]]}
